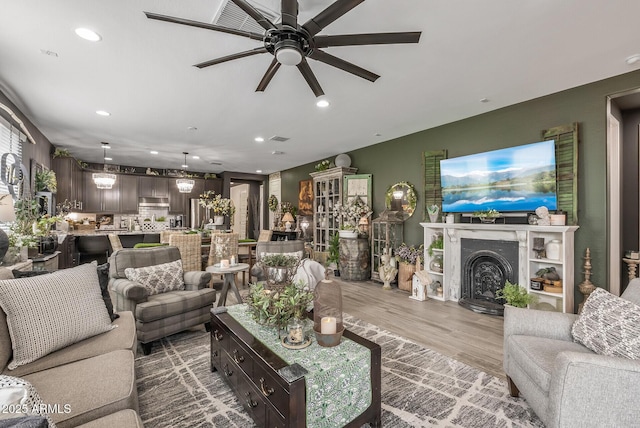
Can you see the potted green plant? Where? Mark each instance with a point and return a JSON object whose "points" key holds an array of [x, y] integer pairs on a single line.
{"points": [[487, 216], [279, 268], [436, 244], [46, 181], [515, 295], [351, 212], [407, 257], [334, 254]]}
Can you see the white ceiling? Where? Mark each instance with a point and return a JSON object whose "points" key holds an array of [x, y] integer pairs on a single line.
{"points": [[142, 73]]}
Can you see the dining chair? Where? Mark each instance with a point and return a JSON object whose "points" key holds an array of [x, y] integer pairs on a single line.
{"points": [[115, 242], [190, 249], [223, 246], [265, 235], [165, 234]]}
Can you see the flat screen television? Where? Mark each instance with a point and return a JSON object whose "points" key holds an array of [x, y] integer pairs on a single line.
{"points": [[516, 179]]}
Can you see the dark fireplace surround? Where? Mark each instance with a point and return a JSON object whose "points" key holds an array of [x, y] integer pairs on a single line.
{"points": [[486, 265]]}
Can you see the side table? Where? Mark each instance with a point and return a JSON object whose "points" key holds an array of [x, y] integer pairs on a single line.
{"points": [[229, 280]]}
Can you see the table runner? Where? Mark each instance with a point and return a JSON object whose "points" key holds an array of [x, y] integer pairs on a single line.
{"points": [[339, 380]]}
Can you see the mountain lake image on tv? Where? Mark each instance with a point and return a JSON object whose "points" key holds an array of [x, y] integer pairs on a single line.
{"points": [[516, 179]]}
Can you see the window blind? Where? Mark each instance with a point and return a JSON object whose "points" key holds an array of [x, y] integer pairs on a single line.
{"points": [[11, 140]]}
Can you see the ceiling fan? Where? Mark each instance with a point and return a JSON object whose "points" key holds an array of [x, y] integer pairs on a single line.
{"points": [[291, 43]]}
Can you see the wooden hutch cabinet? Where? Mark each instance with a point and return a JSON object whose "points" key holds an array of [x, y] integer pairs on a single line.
{"points": [[327, 194]]}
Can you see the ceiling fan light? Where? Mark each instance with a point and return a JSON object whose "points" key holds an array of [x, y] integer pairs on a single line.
{"points": [[288, 52], [185, 185]]}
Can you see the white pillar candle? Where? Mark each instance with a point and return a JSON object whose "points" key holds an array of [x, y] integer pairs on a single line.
{"points": [[224, 263], [328, 325], [233, 260]]}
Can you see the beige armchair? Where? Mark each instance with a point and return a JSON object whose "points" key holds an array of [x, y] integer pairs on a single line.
{"points": [[159, 315]]}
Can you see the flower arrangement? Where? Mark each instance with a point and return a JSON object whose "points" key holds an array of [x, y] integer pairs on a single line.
{"points": [[277, 307], [324, 165], [273, 203], [288, 207], [217, 204], [352, 212], [409, 254]]}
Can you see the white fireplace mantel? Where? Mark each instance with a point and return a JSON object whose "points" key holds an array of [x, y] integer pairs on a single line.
{"points": [[528, 263]]}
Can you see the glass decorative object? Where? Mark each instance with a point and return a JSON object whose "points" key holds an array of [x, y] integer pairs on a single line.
{"points": [[436, 264], [327, 313], [386, 232]]}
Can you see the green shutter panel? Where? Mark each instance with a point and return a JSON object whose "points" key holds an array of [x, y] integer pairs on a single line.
{"points": [[566, 138], [432, 189]]}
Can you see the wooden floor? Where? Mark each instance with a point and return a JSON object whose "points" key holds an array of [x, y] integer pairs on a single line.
{"points": [[444, 327]]}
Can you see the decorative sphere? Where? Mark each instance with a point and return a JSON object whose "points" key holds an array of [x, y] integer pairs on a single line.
{"points": [[343, 160]]}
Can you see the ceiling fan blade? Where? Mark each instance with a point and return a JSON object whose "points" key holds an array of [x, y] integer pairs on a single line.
{"points": [[321, 56], [330, 14], [271, 71], [310, 78], [238, 55], [207, 26], [290, 13], [255, 14], [367, 39]]}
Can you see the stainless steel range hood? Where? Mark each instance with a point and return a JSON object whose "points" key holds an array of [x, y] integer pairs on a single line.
{"points": [[153, 202]]}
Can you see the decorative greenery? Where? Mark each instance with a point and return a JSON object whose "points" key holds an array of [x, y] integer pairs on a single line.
{"points": [[273, 203], [436, 244], [46, 180], [323, 166], [209, 175], [490, 213], [217, 204], [277, 307], [82, 164], [409, 254], [64, 208], [279, 260], [43, 225], [27, 212], [288, 207], [516, 295], [352, 212], [334, 249], [61, 153], [161, 218]]}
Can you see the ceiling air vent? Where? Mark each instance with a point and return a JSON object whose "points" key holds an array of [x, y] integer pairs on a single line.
{"points": [[279, 138], [231, 16]]}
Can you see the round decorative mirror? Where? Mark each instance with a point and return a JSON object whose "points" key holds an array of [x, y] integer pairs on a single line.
{"points": [[402, 197]]}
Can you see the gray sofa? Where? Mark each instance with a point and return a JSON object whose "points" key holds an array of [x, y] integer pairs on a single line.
{"points": [[159, 315], [565, 383], [95, 377]]}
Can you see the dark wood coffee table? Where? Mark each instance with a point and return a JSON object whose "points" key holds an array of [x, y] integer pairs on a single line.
{"points": [[251, 369]]}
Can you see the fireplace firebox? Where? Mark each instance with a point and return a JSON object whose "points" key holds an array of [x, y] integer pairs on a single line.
{"points": [[486, 266]]}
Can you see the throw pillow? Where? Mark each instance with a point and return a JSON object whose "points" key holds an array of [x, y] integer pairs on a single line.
{"points": [[158, 278], [49, 312], [19, 398], [609, 325], [103, 279]]}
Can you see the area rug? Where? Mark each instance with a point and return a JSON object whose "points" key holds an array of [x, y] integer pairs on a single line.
{"points": [[420, 387]]}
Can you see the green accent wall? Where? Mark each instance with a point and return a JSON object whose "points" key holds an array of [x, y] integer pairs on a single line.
{"points": [[401, 159]]}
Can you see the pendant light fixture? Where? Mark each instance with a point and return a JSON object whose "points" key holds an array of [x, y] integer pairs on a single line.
{"points": [[104, 180], [185, 185]]}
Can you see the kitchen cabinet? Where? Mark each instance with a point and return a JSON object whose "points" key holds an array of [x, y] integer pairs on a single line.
{"points": [[214, 184], [153, 187], [70, 179], [178, 201], [101, 200], [128, 194]]}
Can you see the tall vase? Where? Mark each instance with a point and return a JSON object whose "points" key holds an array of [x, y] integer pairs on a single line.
{"points": [[218, 220]]}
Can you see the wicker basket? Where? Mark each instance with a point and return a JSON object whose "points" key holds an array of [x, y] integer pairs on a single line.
{"points": [[405, 275]]}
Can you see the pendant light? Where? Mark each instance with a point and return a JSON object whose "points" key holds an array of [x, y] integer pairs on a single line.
{"points": [[104, 180], [185, 185]]}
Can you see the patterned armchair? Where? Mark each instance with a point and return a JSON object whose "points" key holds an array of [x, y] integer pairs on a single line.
{"points": [[165, 313]]}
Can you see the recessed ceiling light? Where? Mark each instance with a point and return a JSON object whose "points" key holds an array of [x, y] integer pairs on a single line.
{"points": [[196, 157], [87, 34], [184, 165], [108, 159], [259, 171], [259, 139], [153, 152], [102, 113], [322, 103], [633, 59]]}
